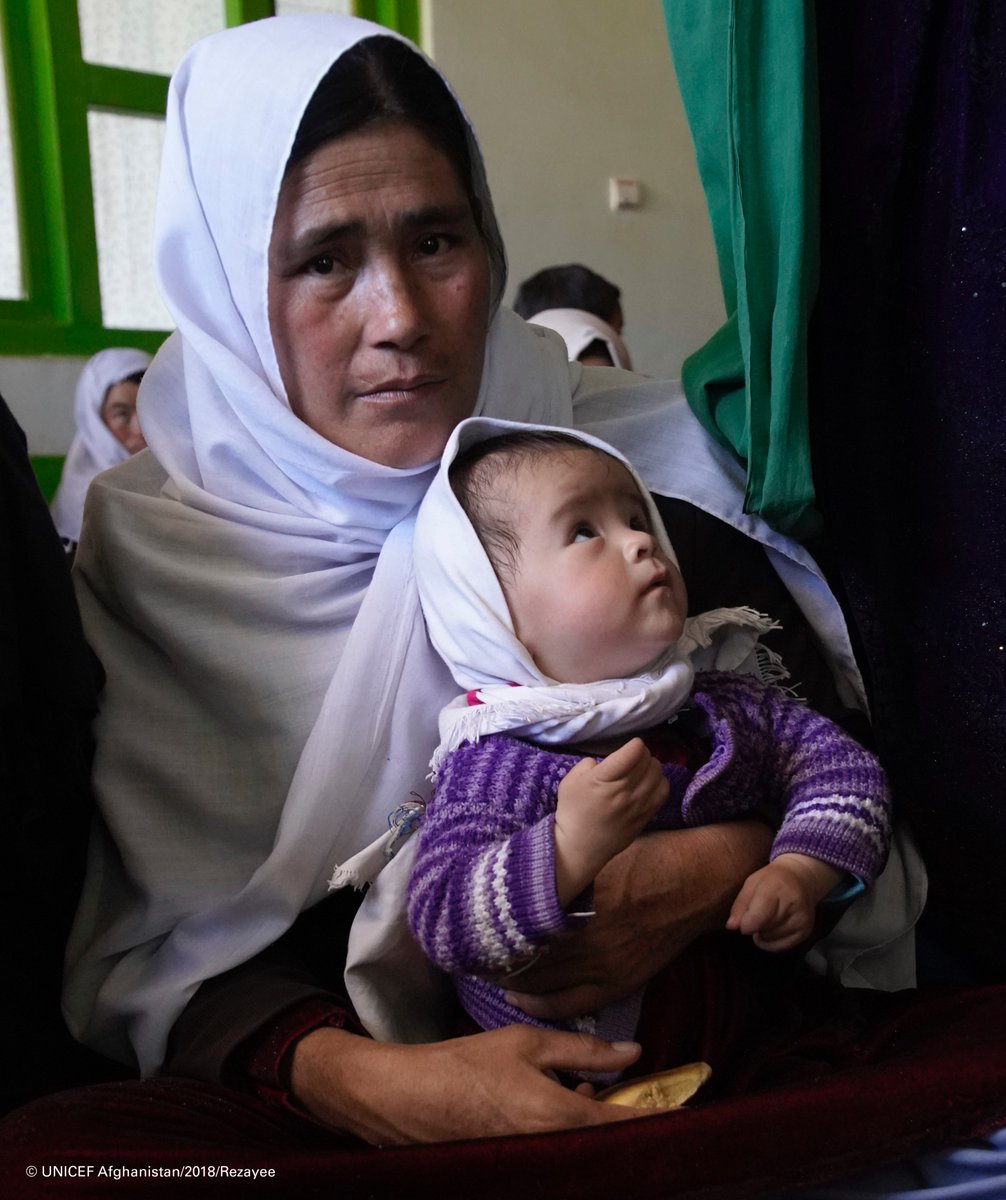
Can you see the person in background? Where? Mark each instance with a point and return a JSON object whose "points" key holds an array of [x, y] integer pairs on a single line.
{"points": [[589, 340], [584, 308], [570, 286], [107, 431]]}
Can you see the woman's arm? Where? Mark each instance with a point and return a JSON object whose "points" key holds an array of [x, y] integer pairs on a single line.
{"points": [[233, 1015], [650, 903], [242, 1030], [484, 1085]]}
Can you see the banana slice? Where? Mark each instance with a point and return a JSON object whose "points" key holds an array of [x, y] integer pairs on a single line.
{"points": [[665, 1089]]}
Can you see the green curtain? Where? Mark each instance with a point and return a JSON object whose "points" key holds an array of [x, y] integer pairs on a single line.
{"points": [[747, 74]]}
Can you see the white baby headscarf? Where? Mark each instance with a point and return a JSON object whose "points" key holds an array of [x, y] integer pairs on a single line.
{"points": [[504, 690], [578, 329], [95, 447]]}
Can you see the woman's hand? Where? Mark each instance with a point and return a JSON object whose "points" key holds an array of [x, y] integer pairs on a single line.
{"points": [[651, 901], [484, 1085]]}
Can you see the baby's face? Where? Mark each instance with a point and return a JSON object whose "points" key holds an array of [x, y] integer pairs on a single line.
{"points": [[593, 597]]}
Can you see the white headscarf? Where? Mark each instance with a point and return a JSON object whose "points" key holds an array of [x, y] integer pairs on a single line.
{"points": [[95, 447], [578, 329], [248, 585], [470, 625]]}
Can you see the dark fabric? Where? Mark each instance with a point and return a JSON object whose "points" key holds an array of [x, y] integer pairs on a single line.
{"points": [[48, 685], [266, 1059], [722, 567], [883, 1077], [908, 417], [233, 1011]]}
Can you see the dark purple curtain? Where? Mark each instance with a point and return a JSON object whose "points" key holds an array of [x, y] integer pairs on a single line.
{"points": [[908, 424]]}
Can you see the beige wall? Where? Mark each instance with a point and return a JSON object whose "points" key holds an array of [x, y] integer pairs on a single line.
{"points": [[39, 392], [564, 94]]}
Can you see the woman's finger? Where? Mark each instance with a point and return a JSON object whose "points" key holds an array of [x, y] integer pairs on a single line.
{"points": [[581, 1052]]}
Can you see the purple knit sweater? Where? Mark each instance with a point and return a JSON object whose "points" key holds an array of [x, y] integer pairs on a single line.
{"points": [[482, 894]]}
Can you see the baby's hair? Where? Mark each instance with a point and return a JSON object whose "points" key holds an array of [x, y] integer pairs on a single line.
{"points": [[475, 472]]}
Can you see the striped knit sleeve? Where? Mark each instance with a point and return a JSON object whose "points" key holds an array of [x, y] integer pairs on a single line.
{"points": [[482, 893], [832, 793]]}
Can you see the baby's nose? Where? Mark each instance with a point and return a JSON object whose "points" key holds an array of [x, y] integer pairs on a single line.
{"points": [[640, 544]]}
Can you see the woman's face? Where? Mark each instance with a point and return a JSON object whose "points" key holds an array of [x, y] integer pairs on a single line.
{"points": [[118, 411], [378, 295]]}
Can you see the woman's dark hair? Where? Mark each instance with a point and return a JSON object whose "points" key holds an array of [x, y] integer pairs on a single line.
{"points": [[382, 79]]}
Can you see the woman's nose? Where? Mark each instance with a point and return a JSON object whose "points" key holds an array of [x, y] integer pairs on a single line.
{"points": [[397, 317]]}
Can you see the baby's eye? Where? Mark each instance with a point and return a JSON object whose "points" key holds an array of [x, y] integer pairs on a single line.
{"points": [[582, 532], [640, 522]]}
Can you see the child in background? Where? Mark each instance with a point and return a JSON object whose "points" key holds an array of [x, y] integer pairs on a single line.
{"points": [[551, 591]]}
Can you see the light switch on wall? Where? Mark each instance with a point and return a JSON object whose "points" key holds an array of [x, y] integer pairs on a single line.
{"points": [[623, 193]]}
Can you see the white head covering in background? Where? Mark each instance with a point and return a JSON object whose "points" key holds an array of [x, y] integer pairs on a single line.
{"points": [[271, 691], [578, 329], [95, 447]]}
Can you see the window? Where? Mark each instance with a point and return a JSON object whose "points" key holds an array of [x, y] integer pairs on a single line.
{"points": [[144, 35], [82, 99]]}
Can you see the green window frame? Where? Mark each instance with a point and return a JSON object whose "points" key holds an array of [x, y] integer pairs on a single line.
{"points": [[50, 89]]}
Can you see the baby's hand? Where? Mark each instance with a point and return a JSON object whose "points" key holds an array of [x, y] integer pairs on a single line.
{"points": [[603, 806], [776, 904]]}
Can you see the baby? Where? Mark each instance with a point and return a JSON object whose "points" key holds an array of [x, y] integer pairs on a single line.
{"points": [[551, 591]]}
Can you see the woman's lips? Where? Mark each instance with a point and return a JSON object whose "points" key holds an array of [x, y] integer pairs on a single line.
{"points": [[401, 389]]}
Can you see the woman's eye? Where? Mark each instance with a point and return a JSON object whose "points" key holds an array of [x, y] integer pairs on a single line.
{"points": [[432, 243], [321, 264]]}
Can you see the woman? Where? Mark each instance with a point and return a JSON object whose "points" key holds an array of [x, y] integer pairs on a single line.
{"points": [[104, 413], [327, 247]]}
